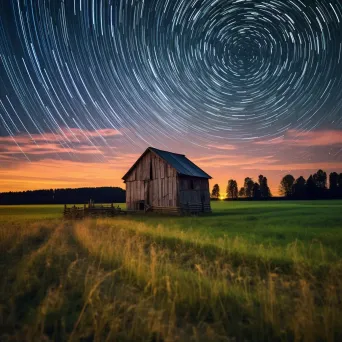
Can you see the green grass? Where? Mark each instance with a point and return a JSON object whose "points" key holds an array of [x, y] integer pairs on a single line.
{"points": [[251, 271]]}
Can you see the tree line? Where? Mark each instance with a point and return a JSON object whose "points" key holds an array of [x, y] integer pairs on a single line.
{"points": [[250, 189], [65, 196], [315, 187]]}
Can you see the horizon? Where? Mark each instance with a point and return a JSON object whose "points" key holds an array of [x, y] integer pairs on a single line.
{"points": [[209, 163]]}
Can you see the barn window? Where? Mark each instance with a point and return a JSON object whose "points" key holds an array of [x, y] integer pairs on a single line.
{"points": [[151, 170]]}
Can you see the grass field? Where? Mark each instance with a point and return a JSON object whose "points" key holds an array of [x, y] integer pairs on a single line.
{"points": [[251, 271]]}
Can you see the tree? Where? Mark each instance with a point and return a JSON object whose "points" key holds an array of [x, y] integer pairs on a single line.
{"points": [[333, 181], [216, 191], [248, 185], [235, 189], [320, 179], [242, 192], [232, 189], [265, 191], [260, 178], [311, 187], [333, 184], [339, 185], [299, 188], [339, 181], [256, 191], [286, 186]]}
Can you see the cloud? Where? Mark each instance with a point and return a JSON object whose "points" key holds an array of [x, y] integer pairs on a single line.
{"points": [[296, 166], [223, 147], [48, 149], [219, 160], [306, 138], [72, 135], [73, 142], [64, 137]]}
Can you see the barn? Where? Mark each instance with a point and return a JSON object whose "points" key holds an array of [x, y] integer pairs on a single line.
{"points": [[163, 181]]}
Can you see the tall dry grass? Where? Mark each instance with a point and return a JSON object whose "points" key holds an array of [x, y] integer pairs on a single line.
{"points": [[203, 297], [122, 280]]}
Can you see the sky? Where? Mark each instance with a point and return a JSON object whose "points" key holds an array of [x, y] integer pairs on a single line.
{"points": [[241, 87]]}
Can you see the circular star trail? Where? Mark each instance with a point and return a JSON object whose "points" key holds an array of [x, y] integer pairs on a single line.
{"points": [[209, 70]]}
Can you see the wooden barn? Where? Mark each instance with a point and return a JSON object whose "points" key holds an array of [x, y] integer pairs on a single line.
{"points": [[166, 182]]}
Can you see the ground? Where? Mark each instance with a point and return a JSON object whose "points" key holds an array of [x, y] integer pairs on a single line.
{"points": [[251, 271]]}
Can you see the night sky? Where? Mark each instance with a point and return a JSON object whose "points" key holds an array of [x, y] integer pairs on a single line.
{"points": [[242, 87]]}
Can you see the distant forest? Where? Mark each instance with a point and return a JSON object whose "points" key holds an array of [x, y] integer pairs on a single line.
{"points": [[62, 196], [315, 187]]}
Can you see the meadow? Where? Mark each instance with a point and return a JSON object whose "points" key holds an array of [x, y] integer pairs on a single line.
{"points": [[251, 271]]}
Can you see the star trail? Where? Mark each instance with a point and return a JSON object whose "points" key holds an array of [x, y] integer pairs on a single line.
{"points": [[198, 75]]}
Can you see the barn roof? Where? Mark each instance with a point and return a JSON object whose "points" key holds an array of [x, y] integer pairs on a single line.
{"points": [[180, 162]]}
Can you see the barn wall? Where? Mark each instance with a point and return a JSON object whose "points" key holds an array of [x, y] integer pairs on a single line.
{"points": [[194, 191], [160, 190]]}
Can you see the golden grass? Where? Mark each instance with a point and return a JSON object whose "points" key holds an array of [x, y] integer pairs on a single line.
{"points": [[212, 293], [126, 280]]}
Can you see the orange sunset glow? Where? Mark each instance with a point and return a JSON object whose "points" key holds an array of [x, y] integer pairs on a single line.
{"points": [[99, 158]]}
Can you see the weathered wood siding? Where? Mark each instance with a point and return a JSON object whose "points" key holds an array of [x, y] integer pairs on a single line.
{"points": [[159, 190], [194, 192]]}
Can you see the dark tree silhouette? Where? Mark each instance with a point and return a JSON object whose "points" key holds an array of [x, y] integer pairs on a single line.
{"points": [[286, 185], [232, 189], [242, 192], [248, 185], [314, 188], [333, 181], [311, 189], [260, 179], [320, 179], [256, 191], [333, 184], [299, 188], [216, 191], [339, 181], [339, 184], [265, 191], [228, 189]]}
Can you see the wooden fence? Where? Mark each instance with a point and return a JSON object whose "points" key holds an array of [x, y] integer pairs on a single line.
{"points": [[109, 210], [92, 210]]}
